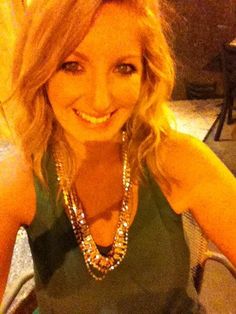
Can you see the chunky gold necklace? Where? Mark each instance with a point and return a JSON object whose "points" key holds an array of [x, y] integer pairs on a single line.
{"points": [[97, 264]]}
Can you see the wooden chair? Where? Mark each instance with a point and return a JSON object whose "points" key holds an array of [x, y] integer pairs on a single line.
{"points": [[195, 90], [22, 300], [228, 60]]}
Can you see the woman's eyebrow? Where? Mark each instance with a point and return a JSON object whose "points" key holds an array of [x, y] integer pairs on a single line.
{"points": [[80, 55]]}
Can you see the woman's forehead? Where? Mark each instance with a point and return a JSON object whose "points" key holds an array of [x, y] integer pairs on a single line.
{"points": [[115, 29]]}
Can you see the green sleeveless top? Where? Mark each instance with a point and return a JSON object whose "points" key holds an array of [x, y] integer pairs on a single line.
{"points": [[152, 278]]}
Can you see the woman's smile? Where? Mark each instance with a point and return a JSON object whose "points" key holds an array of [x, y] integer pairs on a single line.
{"points": [[94, 122]]}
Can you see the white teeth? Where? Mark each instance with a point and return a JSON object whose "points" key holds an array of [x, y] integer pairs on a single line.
{"points": [[93, 119]]}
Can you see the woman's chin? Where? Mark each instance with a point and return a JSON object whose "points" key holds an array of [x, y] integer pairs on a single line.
{"points": [[82, 137]]}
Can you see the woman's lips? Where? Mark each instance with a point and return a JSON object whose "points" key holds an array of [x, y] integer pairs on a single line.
{"points": [[89, 117], [95, 125]]}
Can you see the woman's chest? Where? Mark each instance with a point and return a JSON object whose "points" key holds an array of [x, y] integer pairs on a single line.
{"points": [[102, 205]]}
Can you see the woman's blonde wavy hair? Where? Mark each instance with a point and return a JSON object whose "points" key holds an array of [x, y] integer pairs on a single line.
{"points": [[51, 31]]}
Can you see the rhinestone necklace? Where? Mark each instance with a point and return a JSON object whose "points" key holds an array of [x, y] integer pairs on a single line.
{"points": [[97, 264]]}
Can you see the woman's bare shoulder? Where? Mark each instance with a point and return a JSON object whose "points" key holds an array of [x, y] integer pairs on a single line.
{"points": [[207, 189], [17, 197], [195, 170], [176, 142], [189, 159]]}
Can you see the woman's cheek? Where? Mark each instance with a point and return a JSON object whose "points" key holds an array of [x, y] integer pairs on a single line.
{"points": [[63, 91], [127, 92]]}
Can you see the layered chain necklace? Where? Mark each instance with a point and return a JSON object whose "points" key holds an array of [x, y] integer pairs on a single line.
{"points": [[97, 264]]}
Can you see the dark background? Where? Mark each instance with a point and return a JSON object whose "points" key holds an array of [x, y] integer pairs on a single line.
{"points": [[200, 27]]}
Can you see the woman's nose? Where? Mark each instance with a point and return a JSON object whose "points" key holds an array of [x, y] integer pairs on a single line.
{"points": [[101, 100]]}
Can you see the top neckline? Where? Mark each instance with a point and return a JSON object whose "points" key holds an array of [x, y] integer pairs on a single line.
{"points": [[132, 226]]}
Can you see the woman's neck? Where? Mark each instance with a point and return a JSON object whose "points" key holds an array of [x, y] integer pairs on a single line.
{"points": [[97, 153]]}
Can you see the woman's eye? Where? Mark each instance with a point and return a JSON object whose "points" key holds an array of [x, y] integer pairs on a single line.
{"points": [[126, 69], [71, 67]]}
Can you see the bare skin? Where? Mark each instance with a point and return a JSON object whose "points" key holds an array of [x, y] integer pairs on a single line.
{"points": [[101, 193]]}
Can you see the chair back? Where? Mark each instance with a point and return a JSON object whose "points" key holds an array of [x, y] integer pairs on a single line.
{"points": [[228, 58], [199, 253], [195, 90], [20, 283], [198, 245]]}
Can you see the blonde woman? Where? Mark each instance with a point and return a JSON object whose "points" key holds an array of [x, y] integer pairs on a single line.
{"points": [[98, 176]]}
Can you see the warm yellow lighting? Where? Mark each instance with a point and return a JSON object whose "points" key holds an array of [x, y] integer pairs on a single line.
{"points": [[27, 2], [7, 40]]}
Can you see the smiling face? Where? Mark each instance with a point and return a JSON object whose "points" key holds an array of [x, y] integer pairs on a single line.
{"points": [[96, 88]]}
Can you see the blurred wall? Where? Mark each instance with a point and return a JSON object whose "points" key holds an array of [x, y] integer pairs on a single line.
{"points": [[11, 14], [7, 39], [200, 28]]}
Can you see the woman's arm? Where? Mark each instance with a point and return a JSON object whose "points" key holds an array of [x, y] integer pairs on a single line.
{"points": [[207, 188], [16, 206]]}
